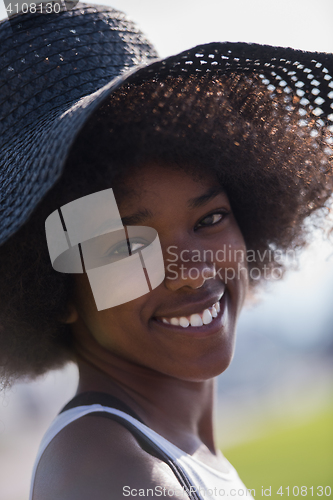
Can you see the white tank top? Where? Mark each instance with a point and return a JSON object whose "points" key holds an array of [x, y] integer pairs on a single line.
{"points": [[206, 482]]}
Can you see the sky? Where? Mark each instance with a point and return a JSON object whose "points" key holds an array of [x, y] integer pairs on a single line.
{"points": [[177, 25]]}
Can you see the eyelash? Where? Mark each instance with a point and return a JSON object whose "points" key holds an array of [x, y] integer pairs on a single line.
{"points": [[220, 212]]}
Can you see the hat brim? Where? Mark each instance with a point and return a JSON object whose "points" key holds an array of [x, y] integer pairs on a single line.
{"points": [[44, 148]]}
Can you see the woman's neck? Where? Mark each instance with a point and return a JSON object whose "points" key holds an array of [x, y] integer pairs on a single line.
{"points": [[181, 411]]}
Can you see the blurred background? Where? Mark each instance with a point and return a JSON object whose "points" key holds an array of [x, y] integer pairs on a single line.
{"points": [[275, 402]]}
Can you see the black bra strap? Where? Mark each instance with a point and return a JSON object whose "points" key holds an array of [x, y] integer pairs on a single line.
{"points": [[89, 398]]}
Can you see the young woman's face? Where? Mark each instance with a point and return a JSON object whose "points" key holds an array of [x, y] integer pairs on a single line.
{"points": [[203, 252]]}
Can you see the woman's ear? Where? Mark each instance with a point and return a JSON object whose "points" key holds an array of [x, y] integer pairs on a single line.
{"points": [[72, 314]]}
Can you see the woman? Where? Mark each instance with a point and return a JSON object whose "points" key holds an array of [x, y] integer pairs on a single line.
{"points": [[220, 156]]}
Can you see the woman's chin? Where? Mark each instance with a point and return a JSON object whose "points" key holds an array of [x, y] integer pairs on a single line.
{"points": [[206, 367]]}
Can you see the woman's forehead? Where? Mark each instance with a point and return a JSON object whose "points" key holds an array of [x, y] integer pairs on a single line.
{"points": [[163, 182]]}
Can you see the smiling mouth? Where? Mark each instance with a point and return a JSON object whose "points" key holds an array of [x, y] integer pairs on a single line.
{"points": [[195, 320]]}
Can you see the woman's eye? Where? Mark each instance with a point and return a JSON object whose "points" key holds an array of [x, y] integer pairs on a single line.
{"points": [[122, 248], [212, 219], [136, 246]]}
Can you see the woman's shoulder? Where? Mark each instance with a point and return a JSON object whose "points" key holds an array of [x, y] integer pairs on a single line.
{"points": [[95, 457]]}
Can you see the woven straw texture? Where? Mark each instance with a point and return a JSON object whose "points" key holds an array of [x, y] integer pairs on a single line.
{"points": [[45, 71]]}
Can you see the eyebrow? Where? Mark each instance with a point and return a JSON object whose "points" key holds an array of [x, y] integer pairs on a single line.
{"points": [[205, 198], [137, 218], [144, 214]]}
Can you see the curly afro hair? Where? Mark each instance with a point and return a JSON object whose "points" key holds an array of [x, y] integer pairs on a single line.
{"points": [[275, 171]]}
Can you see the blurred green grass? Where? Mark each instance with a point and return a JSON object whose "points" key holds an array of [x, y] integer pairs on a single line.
{"points": [[288, 455]]}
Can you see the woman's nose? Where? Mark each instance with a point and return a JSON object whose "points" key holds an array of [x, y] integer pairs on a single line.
{"points": [[183, 273]]}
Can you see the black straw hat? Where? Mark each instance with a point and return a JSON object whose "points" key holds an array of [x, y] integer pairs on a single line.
{"points": [[56, 69]]}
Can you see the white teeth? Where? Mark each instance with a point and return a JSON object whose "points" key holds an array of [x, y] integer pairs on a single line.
{"points": [[184, 322], [195, 320], [203, 318], [207, 317]]}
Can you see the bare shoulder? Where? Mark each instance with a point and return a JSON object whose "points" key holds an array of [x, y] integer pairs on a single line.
{"points": [[97, 458]]}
